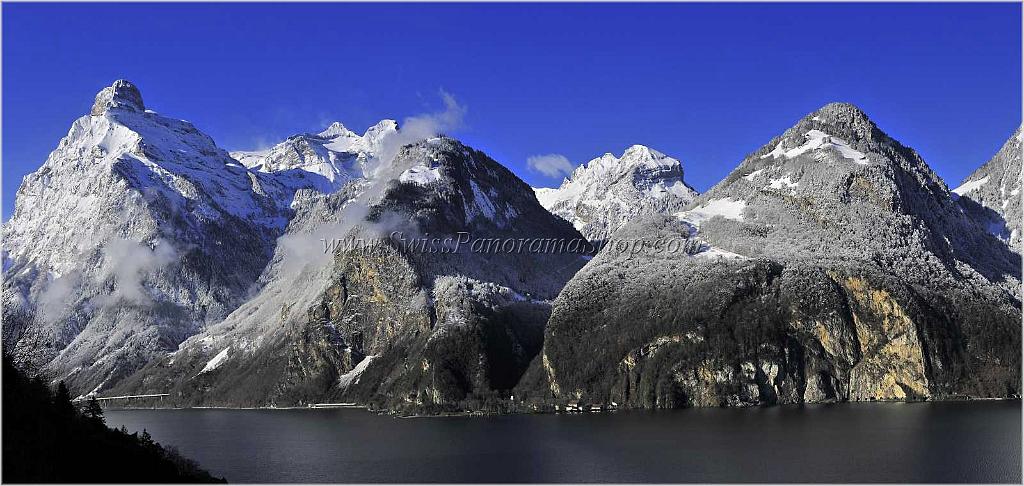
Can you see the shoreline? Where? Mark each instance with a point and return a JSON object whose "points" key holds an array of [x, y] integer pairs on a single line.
{"points": [[399, 415]]}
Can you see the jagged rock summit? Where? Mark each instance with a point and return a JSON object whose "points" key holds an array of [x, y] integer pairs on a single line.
{"points": [[605, 193], [122, 95]]}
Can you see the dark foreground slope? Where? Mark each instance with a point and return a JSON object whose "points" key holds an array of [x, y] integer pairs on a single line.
{"points": [[46, 440]]}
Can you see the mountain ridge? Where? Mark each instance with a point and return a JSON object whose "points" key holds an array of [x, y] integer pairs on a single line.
{"points": [[142, 258]]}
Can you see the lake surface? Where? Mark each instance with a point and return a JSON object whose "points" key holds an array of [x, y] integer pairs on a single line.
{"points": [[861, 442]]}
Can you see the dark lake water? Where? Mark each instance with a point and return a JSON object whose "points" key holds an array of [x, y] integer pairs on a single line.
{"points": [[864, 442]]}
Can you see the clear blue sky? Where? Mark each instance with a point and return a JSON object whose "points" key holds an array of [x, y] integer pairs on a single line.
{"points": [[704, 83]]}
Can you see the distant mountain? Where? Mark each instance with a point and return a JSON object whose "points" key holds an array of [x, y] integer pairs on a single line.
{"points": [[323, 161], [391, 324], [832, 264], [134, 234], [995, 186], [607, 192]]}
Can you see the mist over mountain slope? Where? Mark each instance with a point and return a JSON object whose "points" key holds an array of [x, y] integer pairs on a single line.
{"points": [[835, 266]]}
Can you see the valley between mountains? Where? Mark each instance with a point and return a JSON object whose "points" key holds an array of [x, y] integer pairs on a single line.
{"points": [[832, 264]]}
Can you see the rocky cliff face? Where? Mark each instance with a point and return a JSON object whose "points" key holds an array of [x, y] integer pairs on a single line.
{"points": [[134, 234], [832, 264], [992, 193], [404, 322], [606, 193]]}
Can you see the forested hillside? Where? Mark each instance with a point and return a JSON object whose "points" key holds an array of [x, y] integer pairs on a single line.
{"points": [[48, 439]]}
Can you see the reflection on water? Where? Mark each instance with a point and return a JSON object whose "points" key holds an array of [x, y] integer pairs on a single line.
{"points": [[863, 442]]}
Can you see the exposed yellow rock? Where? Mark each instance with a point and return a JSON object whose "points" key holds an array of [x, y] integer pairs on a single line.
{"points": [[892, 362], [704, 392], [551, 374]]}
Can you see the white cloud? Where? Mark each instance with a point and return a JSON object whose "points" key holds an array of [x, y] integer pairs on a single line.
{"points": [[57, 297], [412, 130], [551, 165], [129, 262]]}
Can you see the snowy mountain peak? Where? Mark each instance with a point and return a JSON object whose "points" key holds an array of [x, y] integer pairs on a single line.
{"points": [[635, 157], [835, 133], [641, 151], [132, 216], [382, 127], [608, 191], [839, 182], [336, 129], [122, 94], [323, 161]]}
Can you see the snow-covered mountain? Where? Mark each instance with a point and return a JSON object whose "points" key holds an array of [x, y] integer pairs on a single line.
{"points": [[835, 186], [400, 270], [401, 320], [323, 161], [995, 186], [832, 264], [134, 234], [140, 241], [607, 192]]}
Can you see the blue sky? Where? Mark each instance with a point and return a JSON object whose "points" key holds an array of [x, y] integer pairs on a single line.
{"points": [[704, 83]]}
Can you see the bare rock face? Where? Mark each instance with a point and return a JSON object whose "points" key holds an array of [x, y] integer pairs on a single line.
{"points": [[832, 264], [120, 95]]}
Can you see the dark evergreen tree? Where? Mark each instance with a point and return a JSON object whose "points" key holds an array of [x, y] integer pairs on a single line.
{"points": [[62, 402], [93, 411]]}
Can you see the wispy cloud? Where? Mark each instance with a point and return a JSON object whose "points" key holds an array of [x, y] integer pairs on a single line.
{"points": [[416, 128], [129, 262], [551, 165], [303, 252]]}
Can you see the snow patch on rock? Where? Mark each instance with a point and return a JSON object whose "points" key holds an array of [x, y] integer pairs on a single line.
{"points": [[817, 140], [727, 208], [217, 360]]}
